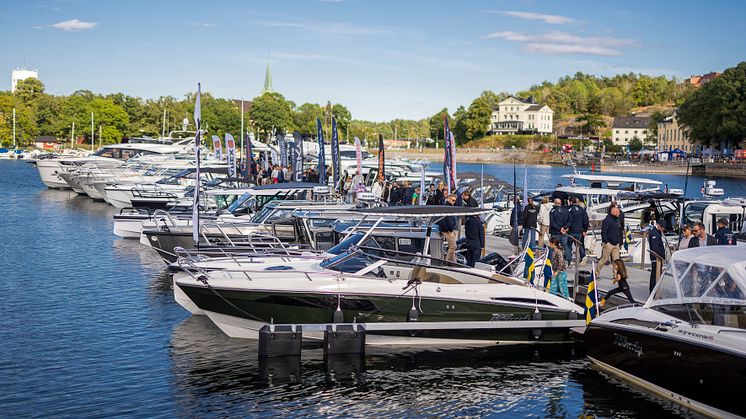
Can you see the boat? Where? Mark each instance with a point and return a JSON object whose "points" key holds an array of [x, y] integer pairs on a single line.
{"points": [[687, 343], [709, 189], [371, 284]]}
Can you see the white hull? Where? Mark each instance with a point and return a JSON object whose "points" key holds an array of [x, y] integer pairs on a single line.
{"points": [[128, 229], [91, 192], [119, 198], [48, 171], [181, 298]]}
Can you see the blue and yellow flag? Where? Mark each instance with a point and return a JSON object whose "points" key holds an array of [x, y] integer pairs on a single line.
{"points": [[548, 271], [627, 238], [591, 298], [529, 266]]}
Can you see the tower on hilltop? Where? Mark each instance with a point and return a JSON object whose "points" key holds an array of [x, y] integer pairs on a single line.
{"points": [[267, 81]]}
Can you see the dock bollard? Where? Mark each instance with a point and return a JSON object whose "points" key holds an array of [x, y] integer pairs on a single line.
{"points": [[276, 341], [344, 339]]}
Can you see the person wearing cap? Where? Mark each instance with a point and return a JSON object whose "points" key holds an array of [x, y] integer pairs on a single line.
{"points": [[724, 235], [657, 253]]}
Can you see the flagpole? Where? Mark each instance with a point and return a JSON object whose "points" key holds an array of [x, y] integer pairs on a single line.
{"points": [[242, 128], [195, 205], [92, 134]]}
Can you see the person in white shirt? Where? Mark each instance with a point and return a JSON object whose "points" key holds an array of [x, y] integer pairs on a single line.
{"points": [[377, 189], [543, 219]]}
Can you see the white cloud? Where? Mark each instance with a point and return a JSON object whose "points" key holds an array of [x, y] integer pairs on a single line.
{"points": [[550, 19], [557, 42], [74, 25]]}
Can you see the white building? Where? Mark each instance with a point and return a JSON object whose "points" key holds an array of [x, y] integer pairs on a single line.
{"points": [[515, 115], [21, 74], [627, 128]]}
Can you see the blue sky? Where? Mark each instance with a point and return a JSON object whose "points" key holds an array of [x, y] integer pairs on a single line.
{"points": [[382, 59]]}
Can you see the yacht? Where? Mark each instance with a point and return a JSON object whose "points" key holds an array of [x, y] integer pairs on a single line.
{"points": [[687, 343]]}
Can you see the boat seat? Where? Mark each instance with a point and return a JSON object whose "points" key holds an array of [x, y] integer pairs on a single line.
{"points": [[421, 273]]}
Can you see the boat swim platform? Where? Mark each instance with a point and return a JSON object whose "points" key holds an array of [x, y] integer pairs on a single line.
{"points": [[276, 340]]}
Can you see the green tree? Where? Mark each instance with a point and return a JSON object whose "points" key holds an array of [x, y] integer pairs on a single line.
{"points": [[343, 117], [271, 111], [477, 119], [635, 144], [459, 125], [592, 122], [304, 118], [436, 125]]}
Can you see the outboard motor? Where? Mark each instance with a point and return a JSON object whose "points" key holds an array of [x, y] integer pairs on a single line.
{"points": [[494, 259]]}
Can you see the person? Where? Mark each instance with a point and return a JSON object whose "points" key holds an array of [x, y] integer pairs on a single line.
{"points": [[280, 174], [529, 220], [467, 200], [474, 232], [702, 239], [686, 237], [558, 285], [447, 226], [378, 189], [407, 192], [440, 194], [558, 219], [432, 198], [657, 253], [516, 218], [620, 278], [579, 224], [416, 196], [395, 194], [611, 239], [543, 219], [649, 215], [275, 174], [724, 235]]}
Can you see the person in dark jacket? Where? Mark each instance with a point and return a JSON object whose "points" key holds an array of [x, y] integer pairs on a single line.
{"points": [[395, 194], [448, 230], [611, 239], [474, 232], [579, 224], [657, 251], [432, 197], [559, 223], [724, 235], [620, 278], [701, 238], [650, 215], [529, 223], [516, 218], [407, 192], [467, 200]]}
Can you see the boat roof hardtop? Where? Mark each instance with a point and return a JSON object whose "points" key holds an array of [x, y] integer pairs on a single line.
{"points": [[611, 179], [422, 211], [703, 275], [270, 189]]}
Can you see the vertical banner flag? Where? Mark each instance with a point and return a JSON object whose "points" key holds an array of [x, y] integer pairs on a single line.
{"points": [[266, 160], [249, 156], [291, 159], [422, 185], [322, 163], [447, 154], [275, 159], [218, 146], [283, 149], [335, 154], [591, 297], [481, 188], [230, 150], [298, 168], [454, 176], [195, 205], [359, 156], [381, 159]]}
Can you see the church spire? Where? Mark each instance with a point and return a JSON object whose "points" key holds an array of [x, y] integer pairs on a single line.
{"points": [[267, 80]]}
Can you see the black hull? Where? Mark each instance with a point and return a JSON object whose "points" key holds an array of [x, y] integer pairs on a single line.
{"points": [[693, 371]]}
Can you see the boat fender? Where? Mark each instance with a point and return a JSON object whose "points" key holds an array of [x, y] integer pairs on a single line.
{"points": [[338, 316], [413, 314], [536, 333]]}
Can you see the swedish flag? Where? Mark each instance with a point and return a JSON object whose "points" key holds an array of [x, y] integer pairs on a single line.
{"points": [[529, 266], [548, 271], [627, 238], [591, 298]]}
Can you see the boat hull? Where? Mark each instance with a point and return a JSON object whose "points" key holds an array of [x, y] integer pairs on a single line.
{"points": [[697, 376]]}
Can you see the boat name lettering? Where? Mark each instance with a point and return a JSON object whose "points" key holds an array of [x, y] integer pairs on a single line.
{"points": [[696, 335], [625, 343], [508, 316]]}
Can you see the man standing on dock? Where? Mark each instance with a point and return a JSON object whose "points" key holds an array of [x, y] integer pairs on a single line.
{"points": [[474, 232], [701, 238], [447, 226], [657, 253], [611, 239], [579, 224], [724, 235]]}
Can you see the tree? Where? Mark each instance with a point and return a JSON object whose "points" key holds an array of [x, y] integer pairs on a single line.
{"points": [[477, 119], [717, 110], [343, 117], [436, 124], [271, 111], [592, 122], [635, 144], [459, 125], [304, 118]]}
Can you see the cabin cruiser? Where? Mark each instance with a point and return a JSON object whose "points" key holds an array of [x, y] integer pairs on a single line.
{"points": [[367, 283], [688, 342]]}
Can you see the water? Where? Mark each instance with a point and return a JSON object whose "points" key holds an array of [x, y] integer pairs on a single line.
{"points": [[88, 327]]}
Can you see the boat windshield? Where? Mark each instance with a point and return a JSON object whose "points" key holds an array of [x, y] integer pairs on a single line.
{"points": [[704, 280], [242, 202], [345, 244], [348, 262]]}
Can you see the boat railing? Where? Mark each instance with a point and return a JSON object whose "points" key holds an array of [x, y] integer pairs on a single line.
{"points": [[165, 216]]}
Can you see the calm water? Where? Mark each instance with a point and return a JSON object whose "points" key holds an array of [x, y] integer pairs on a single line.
{"points": [[89, 328]]}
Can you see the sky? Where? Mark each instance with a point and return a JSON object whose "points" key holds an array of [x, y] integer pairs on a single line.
{"points": [[382, 59]]}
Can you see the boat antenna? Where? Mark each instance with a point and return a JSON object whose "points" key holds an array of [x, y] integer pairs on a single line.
{"points": [[686, 180]]}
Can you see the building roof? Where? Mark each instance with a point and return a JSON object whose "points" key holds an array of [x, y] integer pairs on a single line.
{"points": [[47, 139], [534, 107], [639, 122]]}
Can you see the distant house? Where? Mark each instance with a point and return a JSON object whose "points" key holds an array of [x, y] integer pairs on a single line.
{"points": [[47, 142], [671, 135], [627, 128], [698, 81], [516, 115]]}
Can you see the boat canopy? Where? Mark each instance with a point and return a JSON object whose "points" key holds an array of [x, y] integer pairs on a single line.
{"points": [[421, 211], [612, 180], [703, 275]]}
